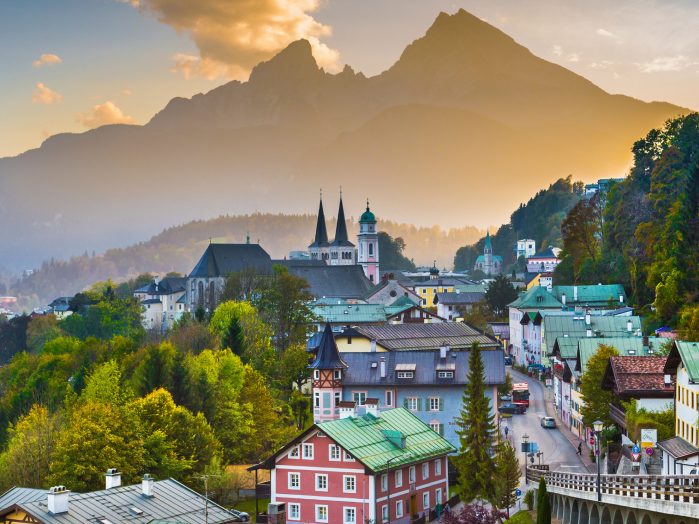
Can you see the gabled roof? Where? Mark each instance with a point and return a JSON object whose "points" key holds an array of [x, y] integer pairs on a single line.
{"points": [[166, 286], [361, 370], [678, 448], [403, 301], [688, 354], [588, 347], [171, 500], [500, 329], [459, 298], [341, 239], [440, 282], [546, 253], [637, 377], [321, 238], [333, 281], [327, 356], [565, 347], [572, 325], [18, 495], [414, 336], [537, 297], [350, 313], [599, 295], [220, 260]]}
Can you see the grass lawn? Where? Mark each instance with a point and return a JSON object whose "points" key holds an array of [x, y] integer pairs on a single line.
{"points": [[248, 506], [521, 517]]}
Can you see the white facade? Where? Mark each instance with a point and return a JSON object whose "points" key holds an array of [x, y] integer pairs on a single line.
{"points": [[526, 248], [686, 407], [542, 264]]}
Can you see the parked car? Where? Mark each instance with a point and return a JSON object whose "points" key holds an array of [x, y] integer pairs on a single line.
{"points": [[548, 422], [506, 398], [535, 367], [240, 516], [513, 409]]}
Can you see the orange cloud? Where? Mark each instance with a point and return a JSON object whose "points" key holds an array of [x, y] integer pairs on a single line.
{"points": [[103, 114], [47, 59], [45, 95], [234, 36]]}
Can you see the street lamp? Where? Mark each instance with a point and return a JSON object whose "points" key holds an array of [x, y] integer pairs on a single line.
{"points": [[598, 426], [525, 450]]}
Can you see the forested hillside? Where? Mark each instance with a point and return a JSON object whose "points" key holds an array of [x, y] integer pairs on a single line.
{"points": [[646, 234], [178, 249], [540, 219]]}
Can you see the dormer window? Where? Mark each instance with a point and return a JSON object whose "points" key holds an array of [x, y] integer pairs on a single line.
{"points": [[406, 374], [316, 374], [405, 371], [445, 374], [337, 374]]}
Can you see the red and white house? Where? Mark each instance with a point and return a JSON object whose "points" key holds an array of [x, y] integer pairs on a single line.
{"points": [[361, 468]]}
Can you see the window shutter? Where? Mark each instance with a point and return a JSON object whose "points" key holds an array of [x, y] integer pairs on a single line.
{"points": [[405, 402], [419, 404], [441, 404], [441, 430]]}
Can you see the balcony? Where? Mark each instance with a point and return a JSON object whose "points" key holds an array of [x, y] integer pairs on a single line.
{"points": [[618, 415]]}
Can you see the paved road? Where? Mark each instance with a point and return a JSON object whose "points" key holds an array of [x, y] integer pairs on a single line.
{"points": [[559, 453]]}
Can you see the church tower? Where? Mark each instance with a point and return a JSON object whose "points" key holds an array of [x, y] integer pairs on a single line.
{"points": [[320, 248], [369, 245], [328, 369], [342, 252]]}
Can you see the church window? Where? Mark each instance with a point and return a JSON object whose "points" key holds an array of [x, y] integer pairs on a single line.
{"points": [[371, 249], [200, 294]]}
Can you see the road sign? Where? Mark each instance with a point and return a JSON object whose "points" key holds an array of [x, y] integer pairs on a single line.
{"points": [[635, 449], [649, 438], [533, 447], [592, 441], [635, 457], [649, 451], [518, 492]]}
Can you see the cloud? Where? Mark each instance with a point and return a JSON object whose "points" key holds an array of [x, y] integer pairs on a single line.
{"points": [[127, 92], [45, 95], [103, 114], [573, 57], [667, 63], [233, 36], [47, 59], [601, 65], [604, 32], [557, 50]]}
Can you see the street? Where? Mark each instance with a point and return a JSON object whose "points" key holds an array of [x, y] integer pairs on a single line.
{"points": [[558, 452]]}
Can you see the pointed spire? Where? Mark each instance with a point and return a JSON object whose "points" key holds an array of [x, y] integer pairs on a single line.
{"points": [[321, 238], [341, 228], [328, 357], [488, 244]]}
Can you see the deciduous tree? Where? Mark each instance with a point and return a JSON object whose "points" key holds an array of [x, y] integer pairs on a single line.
{"points": [[597, 400]]}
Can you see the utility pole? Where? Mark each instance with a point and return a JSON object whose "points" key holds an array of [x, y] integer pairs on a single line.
{"points": [[206, 478]]}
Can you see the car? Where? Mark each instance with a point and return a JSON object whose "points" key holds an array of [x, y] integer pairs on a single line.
{"points": [[535, 367], [514, 409], [548, 422], [506, 398], [240, 516]]}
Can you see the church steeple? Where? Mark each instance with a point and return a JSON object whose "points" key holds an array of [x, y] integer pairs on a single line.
{"points": [[328, 357], [488, 248], [341, 238], [321, 239]]}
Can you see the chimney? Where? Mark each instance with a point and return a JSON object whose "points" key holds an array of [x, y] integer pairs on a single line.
{"points": [[575, 293], [629, 326], [372, 406], [147, 486], [58, 500], [667, 379], [348, 408], [588, 318], [382, 367], [563, 298], [443, 350], [113, 478], [589, 332], [621, 299], [457, 291], [373, 346]]}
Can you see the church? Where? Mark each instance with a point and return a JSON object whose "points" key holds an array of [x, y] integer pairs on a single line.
{"points": [[488, 263], [342, 252]]}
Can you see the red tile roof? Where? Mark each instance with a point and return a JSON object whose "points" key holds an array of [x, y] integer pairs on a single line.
{"points": [[636, 376]]}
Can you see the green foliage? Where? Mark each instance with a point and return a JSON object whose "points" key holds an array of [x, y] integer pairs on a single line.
{"points": [[392, 253], [688, 328], [543, 504], [597, 400], [499, 294], [581, 231], [529, 499], [522, 517], [103, 315], [41, 330], [637, 419], [13, 336], [293, 368], [507, 474], [476, 431], [506, 387], [104, 385]]}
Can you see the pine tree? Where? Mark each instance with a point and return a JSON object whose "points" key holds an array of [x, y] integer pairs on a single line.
{"points": [[543, 505], [475, 428], [507, 475]]}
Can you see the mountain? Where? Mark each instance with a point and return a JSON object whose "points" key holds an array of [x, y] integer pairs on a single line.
{"points": [[463, 125], [178, 249]]}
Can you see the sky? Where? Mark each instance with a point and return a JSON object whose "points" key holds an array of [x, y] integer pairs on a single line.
{"points": [[73, 65]]}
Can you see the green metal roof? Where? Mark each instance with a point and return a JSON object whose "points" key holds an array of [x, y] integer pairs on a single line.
{"points": [[366, 438], [568, 347], [628, 346], [471, 288], [403, 301], [689, 352], [599, 295], [572, 325], [350, 313], [537, 297]]}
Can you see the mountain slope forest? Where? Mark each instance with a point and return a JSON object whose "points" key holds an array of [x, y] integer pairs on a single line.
{"points": [[418, 139], [539, 219], [177, 249], [645, 234]]}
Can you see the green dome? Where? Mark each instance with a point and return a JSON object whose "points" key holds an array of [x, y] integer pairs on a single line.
{"points": [[367, 216]]}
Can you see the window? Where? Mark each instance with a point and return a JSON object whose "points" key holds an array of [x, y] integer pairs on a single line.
{"points": [[411, 474], [438, 496], [425, 470], [411, 403], [316, 374], [337, 374], [435, 404], [359, 397], [294, 511], [321, 482], [316, 399], [338, 397], [399, 509], [384, 482], [294, 480], [334, 452], [438, 467], [424, 291], [437, 428], [445, 374], [426, 500], [308, 451], [384, 513], [389, 398], [348, 457], [405, 374], [371, 249], [322, 513], [350, 484], [294, 452], [350, 515], [399, 478]]}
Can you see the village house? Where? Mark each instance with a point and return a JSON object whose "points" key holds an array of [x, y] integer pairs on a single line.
{"points": [[368, 466], [453, 305], [344, 314], [390, 290], [544, 262], [163, 302]]}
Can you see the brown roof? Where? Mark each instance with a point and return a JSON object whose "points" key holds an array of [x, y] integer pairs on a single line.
{"points": [[636, 376], [678, 448]]}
